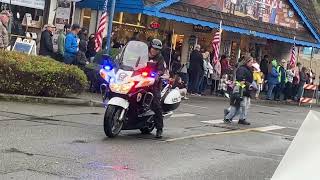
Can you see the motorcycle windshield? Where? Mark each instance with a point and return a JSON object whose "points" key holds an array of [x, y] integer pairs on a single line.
{"points": [[135, 56]]}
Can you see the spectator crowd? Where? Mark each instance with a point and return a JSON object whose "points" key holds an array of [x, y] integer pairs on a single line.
{"points": [[202, 75]]}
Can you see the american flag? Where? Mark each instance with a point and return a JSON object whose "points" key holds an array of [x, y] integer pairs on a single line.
{"points": [[216, 42], [101, 27], [293, 55]]}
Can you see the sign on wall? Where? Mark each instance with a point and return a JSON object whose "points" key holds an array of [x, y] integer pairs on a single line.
{"points": [[270, 11], [62, 18], [37, 4]]}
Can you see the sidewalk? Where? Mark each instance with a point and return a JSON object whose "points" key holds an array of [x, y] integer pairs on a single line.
{"points": [[94, 100]]}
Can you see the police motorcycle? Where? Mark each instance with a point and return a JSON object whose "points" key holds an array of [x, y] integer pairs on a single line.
{"points": [[127, 93]]}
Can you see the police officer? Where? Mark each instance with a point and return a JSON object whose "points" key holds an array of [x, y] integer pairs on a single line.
{"points": [[155, 55]]}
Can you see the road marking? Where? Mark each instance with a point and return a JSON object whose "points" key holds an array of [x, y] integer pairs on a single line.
{"points": [[183, 115], [268, 128], [218, 121], [261, 129], [207, 134], [201, 107]]}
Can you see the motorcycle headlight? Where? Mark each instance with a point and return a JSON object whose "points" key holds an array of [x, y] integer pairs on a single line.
{"points": [[121, 88]]}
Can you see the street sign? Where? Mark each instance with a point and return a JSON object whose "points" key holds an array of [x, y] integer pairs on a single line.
{"points": [[25, 46], [203, 29]]}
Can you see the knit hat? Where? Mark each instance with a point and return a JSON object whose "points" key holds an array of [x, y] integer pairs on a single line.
{"points": [[247, 59]]}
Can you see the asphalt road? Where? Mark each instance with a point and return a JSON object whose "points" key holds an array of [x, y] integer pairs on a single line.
{"points": [[66, 142]]}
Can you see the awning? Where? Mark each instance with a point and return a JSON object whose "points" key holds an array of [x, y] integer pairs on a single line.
{"points": [[248, 27], [130, 6]]}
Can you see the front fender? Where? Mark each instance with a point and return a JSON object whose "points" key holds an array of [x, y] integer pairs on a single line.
{"points": [[117, 101]]}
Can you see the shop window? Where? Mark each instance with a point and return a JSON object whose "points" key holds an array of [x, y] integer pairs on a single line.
{"points": [[86, 18], [307, 50], [130, 18]]}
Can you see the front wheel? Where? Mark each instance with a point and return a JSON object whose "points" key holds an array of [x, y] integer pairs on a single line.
{"points": [[112, 122]]}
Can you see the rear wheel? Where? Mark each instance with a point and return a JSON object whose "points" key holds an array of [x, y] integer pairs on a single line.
{"points": [[112, 122]]}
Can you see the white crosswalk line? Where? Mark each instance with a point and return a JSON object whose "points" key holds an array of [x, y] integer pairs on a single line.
{"points": [[218, 121], [268, 128], [183, 115]]}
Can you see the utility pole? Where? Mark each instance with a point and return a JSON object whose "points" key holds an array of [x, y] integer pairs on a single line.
{"points": [[109, 33]]}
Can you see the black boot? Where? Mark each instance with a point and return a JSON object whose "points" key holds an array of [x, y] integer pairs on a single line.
{"points": [[159, 133], [244, 122]]}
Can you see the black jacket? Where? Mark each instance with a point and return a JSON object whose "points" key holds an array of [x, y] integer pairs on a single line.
{"points": [[91, 52], [46, 44], [196, 63], [264, 65], [244, 73], [161, 65]]}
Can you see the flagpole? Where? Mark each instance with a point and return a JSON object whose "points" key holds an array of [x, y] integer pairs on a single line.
{"points": [[171, 50], [109, 33]]}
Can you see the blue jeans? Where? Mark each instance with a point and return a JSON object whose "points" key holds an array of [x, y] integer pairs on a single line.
{"points": [[195, 82], [69, 59], [270, 90], [203, 85], [300, 92]]}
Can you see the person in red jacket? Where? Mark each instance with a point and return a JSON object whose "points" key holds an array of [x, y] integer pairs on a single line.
{"points": [[225, 65]]}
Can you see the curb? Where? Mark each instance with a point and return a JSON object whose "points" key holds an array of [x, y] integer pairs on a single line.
{"points": [[257, 102], [50, 100]]}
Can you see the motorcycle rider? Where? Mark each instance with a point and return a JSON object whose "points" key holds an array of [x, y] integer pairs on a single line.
{"points": [[155, 48]]}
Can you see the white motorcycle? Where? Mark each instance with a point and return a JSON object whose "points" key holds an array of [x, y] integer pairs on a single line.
{"points": [[128, 91]]}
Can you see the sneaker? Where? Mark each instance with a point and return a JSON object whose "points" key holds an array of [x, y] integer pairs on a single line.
{"points": [[159, 133], [193, 94], [185, 98], [244, 122], [227, 121]]}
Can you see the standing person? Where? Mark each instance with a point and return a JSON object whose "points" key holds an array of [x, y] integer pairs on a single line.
{"points": [[258, 78], [244, 80], [46, 43], [71, 45], [83, 34], [225, 65], [216, 76], [91, 49], [4, 38], [302, 82], [208, 71], [282, 78], [196, 70], [264, 65], [273, 79], [155, 55], [62, 40], [289, 85], [81, 59], [296, 79]]}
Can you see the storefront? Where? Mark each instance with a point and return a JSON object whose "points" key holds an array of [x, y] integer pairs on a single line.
{"points": [[255, 27]]}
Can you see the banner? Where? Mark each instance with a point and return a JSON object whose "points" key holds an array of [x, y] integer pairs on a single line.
{"points": [[37, 4], [301, 162]]}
